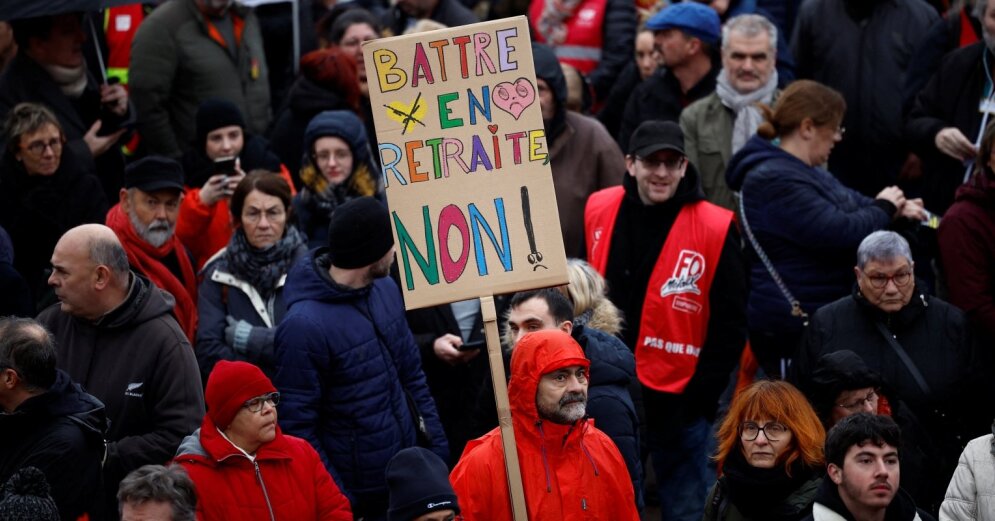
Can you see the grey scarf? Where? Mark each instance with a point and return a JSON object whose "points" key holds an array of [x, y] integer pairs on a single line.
{"points": [[748, 116]]}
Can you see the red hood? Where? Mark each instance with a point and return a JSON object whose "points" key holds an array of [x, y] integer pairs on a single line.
{"points": [[207, 445], [535, 355]]}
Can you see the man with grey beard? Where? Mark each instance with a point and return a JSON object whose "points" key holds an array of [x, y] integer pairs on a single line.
{"points": [[144, 220], [950, 114], [570, 468]]}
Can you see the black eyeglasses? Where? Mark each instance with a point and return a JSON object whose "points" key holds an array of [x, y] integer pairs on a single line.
{"points": [[871, 398], [256, 404], [773, 431], [671, 163], [38, 147], [879, 281]]}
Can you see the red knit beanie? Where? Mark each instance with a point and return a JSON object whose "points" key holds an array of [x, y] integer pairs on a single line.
{"points": [[229, 386]]}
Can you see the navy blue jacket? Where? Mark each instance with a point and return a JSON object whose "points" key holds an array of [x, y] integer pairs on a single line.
{"points": [[808, 224], [345, 358], [608, 401]]}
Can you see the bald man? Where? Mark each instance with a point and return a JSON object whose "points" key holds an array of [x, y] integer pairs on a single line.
{"points": [[115, 335]]}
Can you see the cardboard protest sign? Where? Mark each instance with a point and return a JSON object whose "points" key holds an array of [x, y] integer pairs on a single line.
{"points": [[465, 162]]}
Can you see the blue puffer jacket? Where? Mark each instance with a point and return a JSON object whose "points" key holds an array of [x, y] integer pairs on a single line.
{"points": [[809, 225], [345, 358], [608, 399]]}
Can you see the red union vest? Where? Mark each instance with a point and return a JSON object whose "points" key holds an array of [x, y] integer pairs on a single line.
{"points": [[582, 47], [675, 314]]}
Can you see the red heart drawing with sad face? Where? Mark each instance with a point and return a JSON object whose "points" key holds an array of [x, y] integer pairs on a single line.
{"points": [[514, 98]]}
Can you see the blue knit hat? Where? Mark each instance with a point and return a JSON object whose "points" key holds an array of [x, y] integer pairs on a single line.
{"points": [[343, 124], [696, 19]]}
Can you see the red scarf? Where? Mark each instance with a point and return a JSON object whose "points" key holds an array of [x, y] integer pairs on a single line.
{"points": [[145, 259]]}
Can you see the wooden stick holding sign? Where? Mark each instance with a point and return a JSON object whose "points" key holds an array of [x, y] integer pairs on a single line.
{"points": [[496, 361], [466, 170]]}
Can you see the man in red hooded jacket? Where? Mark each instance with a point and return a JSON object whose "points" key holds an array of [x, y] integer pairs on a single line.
{"points": [[570, 469]]}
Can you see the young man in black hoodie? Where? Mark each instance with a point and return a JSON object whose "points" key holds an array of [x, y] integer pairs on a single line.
{"points": [[863, 474], [684, 298]]}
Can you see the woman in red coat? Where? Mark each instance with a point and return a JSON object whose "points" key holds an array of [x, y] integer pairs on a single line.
{"points": [[244, 467]]}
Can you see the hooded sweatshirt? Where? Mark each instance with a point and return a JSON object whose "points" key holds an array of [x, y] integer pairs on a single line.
{"points": [[568, 471], [61, 432], [583, 156], [967, 249], [138, 362]]}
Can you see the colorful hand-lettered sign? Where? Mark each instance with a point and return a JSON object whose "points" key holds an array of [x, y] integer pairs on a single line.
{"points": [[465, 162]]}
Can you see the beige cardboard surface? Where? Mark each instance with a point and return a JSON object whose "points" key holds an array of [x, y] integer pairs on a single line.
{"points": [[465, 162]]}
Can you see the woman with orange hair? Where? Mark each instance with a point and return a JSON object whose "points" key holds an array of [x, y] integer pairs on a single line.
{"points": [[770, 452]]}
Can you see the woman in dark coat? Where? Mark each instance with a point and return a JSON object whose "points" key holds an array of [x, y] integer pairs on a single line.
{"points": [[770, 452], [339, 168], [240, 301], [42, 193], [807, 224]]}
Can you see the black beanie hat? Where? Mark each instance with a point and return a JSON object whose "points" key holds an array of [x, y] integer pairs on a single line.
{"points": [[26, 497], [214, 114], [359, 233], [835, 373], [418, 481]]}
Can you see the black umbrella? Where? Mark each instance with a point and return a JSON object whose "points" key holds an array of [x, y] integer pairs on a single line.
{"points": [[18, 9]]}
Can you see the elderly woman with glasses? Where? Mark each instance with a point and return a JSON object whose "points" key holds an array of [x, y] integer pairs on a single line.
{"points": [[770, 453], [240, 301], [43, 192], [244, 467], [802, 223]]}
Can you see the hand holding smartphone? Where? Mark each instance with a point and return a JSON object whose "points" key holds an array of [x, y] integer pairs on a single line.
{"points": [[470, 346]]}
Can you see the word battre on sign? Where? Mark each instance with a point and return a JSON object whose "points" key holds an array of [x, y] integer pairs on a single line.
{"points": [[486, 150], [459, 107]]}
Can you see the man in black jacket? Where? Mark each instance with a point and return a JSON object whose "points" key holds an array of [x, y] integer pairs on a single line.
{"points": [[115, 334], [887, 314], [47, 421], [674, 266], [863, 474]]}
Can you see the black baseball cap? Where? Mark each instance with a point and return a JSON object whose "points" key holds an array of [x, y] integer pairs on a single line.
{"points": [[655, 135], [154, 173]]}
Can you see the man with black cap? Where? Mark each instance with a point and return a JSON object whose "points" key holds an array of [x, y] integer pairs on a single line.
{"points": [[685, 35], [348, 368], [675, 268], [419, 487], [145, 222], [115, 335]]}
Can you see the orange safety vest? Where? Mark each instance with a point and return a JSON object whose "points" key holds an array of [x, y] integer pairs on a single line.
{"points": [[674, 321], [582, 47]]}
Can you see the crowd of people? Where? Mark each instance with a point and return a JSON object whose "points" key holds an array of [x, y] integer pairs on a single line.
{"points": [[780, 218]]}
